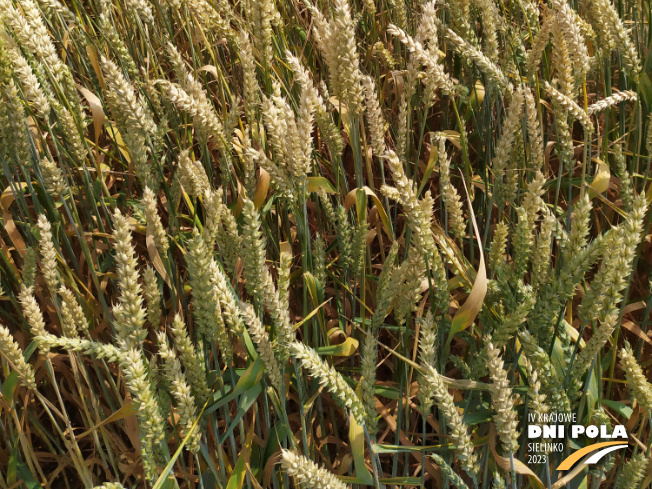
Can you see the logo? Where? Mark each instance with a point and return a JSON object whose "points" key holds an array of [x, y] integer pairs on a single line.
{"points": [[550, 432], [603, 449]]}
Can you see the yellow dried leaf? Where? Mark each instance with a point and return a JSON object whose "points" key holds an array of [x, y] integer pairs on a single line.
{"points": [[466, 314], [96, 109]]}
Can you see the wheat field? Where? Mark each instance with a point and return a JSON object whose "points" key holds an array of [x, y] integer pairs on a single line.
{"points": [[350, 243]]}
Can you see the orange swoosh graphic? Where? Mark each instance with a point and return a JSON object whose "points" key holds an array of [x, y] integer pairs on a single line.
{"points": [[572, 459]]}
